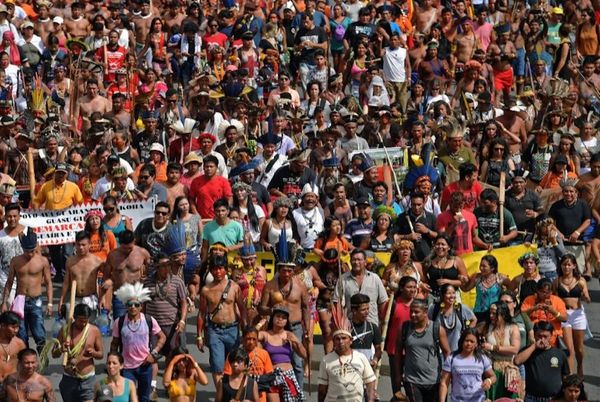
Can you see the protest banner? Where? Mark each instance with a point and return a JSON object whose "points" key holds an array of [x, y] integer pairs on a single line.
{"points": [[60, 227]]}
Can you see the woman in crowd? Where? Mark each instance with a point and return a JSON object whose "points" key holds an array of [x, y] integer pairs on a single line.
{"points": [[497, 162], [271, 228], [401, 265], [453, 316], [381, 237], [525, 284], [572, 390], [488, 283], [122, 389], [443, 268], [572, 288], [502, 341], [332, 237], [521, 320], [468, 370], [155, 49], [550, 249], [181, 376], [87, 181], [237, 386], [102, 241], [281, 344], [250, 213], [113, 221], [193, 234]]}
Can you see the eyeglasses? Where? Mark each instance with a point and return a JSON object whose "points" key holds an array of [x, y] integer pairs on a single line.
{"points": [[161, 213], [133, 304]]}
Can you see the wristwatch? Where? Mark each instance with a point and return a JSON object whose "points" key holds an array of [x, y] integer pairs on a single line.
{"points": [[155, 355]]}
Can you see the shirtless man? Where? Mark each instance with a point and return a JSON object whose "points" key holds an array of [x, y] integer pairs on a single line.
{"points": [[142, 24], [92, 102], [222, 304], [173, 186], [82, 344], [125, 264], [289, 291], [27, 382], [43, 25], [31, 270], [512, 128], [77, 26], [501, 55], [590, 85], [466, 43], [9, 327], [82, 267], [425, 17]]}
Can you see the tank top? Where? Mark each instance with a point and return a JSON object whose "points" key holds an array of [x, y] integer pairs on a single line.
{"points": [[124, 397], [494, 170], [273, 234], [191, 232], [116, 230], [279, 354], [435, 273], [491, 339], [485, 297], [421, 360], [229, 393]]}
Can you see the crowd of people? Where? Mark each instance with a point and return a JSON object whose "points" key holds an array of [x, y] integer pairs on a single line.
{"points": [[311, 162]]}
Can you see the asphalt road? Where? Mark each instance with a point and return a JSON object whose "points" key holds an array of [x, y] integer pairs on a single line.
{"points": [[591, 363]]}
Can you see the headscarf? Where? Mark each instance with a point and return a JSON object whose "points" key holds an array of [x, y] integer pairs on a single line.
{"points": [[381, 100], [13, 51]]}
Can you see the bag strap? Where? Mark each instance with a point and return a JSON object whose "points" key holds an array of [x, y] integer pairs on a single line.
{"points": [[213, 313]]}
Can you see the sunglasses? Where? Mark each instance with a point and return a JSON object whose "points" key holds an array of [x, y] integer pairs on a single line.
{"points": [[134, 304], [108, 209], [162, 213]]}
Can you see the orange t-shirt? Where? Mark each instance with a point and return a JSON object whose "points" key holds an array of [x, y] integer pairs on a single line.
{"points": [[339, 243], [101, 250], [542, 315]]}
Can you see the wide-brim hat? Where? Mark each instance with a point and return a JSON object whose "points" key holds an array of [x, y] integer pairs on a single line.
{"points": [[71, 43], [91, 66], [191, 158]]}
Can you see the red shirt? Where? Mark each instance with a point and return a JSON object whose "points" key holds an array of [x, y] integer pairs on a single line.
{"points": [[175, 149], [401, 314], [218, 38], [462, 236], [115, 60], [471, 196], [205, 191]]}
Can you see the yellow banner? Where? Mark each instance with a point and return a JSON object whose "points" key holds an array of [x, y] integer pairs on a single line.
{"points": [[508, 264]]}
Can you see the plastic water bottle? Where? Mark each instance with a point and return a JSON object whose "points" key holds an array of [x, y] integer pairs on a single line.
{"points": [[58, 324], [103, 323]]}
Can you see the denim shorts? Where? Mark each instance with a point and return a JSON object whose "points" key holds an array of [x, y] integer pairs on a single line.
{"points": [[220, 341]]}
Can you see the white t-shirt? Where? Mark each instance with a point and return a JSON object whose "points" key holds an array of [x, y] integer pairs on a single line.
{"points": [[345, 375], [255, 234], [309, 224], [393, 64]]}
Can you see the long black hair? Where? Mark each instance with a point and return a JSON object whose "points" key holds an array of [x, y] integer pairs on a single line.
{"points": [[477, 353]]}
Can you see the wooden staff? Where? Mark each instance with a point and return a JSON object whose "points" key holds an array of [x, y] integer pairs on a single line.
{"points": [[31, 172], [501, 201], [70, 319], [384, 327], [389, 161]]}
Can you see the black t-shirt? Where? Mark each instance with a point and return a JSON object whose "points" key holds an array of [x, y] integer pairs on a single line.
{"points": [[544, 371], [315, 35], [530, 200], [568, 219], [262, 194], [401, 226], [365, 335], [146, 237], [356, 29], [291, 183]]}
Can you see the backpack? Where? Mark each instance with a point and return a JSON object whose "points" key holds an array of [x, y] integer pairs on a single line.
{"points": [[120, 323], [339, 32], [436, 340]]}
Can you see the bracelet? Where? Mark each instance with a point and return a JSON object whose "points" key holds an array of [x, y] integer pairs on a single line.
{"points": [[50, 304], [490, 380], [199, 338], [578, 234]]}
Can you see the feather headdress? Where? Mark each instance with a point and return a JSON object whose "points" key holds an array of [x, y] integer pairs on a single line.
{"points": [[288, 253], [136, 291], [423, 169], [175, 241]]}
